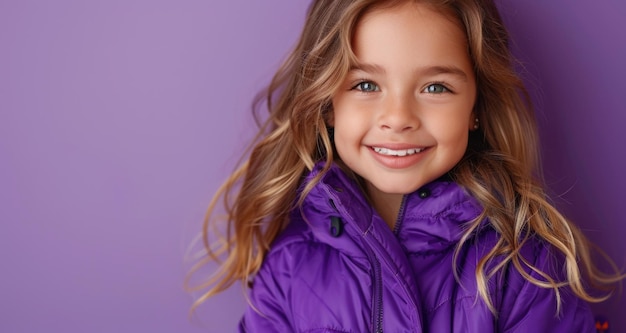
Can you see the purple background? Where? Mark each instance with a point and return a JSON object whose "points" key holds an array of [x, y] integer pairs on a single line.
{"points": [[119, 119]]}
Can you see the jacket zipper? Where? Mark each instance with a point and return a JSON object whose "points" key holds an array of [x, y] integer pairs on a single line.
{"points": [[400, 217], [398, 225], [379, 297], [378, 292]]}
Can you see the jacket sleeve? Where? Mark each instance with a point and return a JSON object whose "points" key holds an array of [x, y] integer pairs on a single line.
{"points": [[267, 309], [526, 307]]}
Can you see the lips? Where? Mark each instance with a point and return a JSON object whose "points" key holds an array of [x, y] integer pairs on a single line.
{"points": [[397, 156], [397, 152]]}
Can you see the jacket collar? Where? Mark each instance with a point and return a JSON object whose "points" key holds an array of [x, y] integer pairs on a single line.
{"points": [[431, 219]]}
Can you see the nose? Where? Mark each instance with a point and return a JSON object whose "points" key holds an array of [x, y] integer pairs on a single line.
{"points": [[399, 113]]}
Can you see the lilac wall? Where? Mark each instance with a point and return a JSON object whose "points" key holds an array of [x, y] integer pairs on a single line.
{"points": [[574, 53], [119, 118]]}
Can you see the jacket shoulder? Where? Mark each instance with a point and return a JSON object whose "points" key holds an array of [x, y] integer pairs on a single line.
{"points": [[526, 306], [297, 289]]}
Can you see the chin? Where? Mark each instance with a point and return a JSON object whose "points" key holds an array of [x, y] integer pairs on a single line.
{"points": [[398, 189]]}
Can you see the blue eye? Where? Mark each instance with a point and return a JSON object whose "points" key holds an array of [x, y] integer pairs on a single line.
{"points": [[436, 88], [366, 86]]}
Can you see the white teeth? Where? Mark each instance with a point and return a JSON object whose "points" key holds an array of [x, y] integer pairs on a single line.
{"points": [[401, 152]]}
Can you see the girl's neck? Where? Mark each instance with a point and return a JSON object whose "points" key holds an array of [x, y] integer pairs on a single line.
{"points": [[386, 204]]}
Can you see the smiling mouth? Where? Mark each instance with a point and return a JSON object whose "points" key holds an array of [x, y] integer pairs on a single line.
{"points": [[397, 152]]}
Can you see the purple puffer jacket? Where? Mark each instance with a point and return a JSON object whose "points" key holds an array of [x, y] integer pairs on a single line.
{"points": [[347, 271]]}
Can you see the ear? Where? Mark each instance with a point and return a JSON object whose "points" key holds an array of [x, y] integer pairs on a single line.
{"points": [[330, 120], [473, 122]]}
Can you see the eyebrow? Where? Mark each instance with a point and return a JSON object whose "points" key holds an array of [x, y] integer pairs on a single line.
{"points": [[452, 70], [428, 70], [369, 68]]}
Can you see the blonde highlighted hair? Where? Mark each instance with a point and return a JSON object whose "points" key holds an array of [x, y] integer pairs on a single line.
{"points": [[500, 168]]}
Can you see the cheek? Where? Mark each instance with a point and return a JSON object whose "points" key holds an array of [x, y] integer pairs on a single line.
{"points": [[349, 120], [345, 145], [453, 135], [345, 133], [459, 145], [350, 130]]}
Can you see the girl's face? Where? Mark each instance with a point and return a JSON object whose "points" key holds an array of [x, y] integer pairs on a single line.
{"points": [[403, 114]]}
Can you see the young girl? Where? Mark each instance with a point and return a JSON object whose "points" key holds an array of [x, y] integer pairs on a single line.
{"points": [[394, 185]]}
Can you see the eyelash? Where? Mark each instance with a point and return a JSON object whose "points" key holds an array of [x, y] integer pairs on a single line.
{"points": [[360, 83], [359, 87], [439, 84]]}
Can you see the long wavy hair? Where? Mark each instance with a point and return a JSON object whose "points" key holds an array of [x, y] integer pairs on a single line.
{"points": [[500, 168]]}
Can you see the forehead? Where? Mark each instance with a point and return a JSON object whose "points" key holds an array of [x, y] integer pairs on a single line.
{"points": [[410, 31]]}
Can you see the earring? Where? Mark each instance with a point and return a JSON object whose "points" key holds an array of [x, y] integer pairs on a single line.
{"points": [[476, 124]]}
